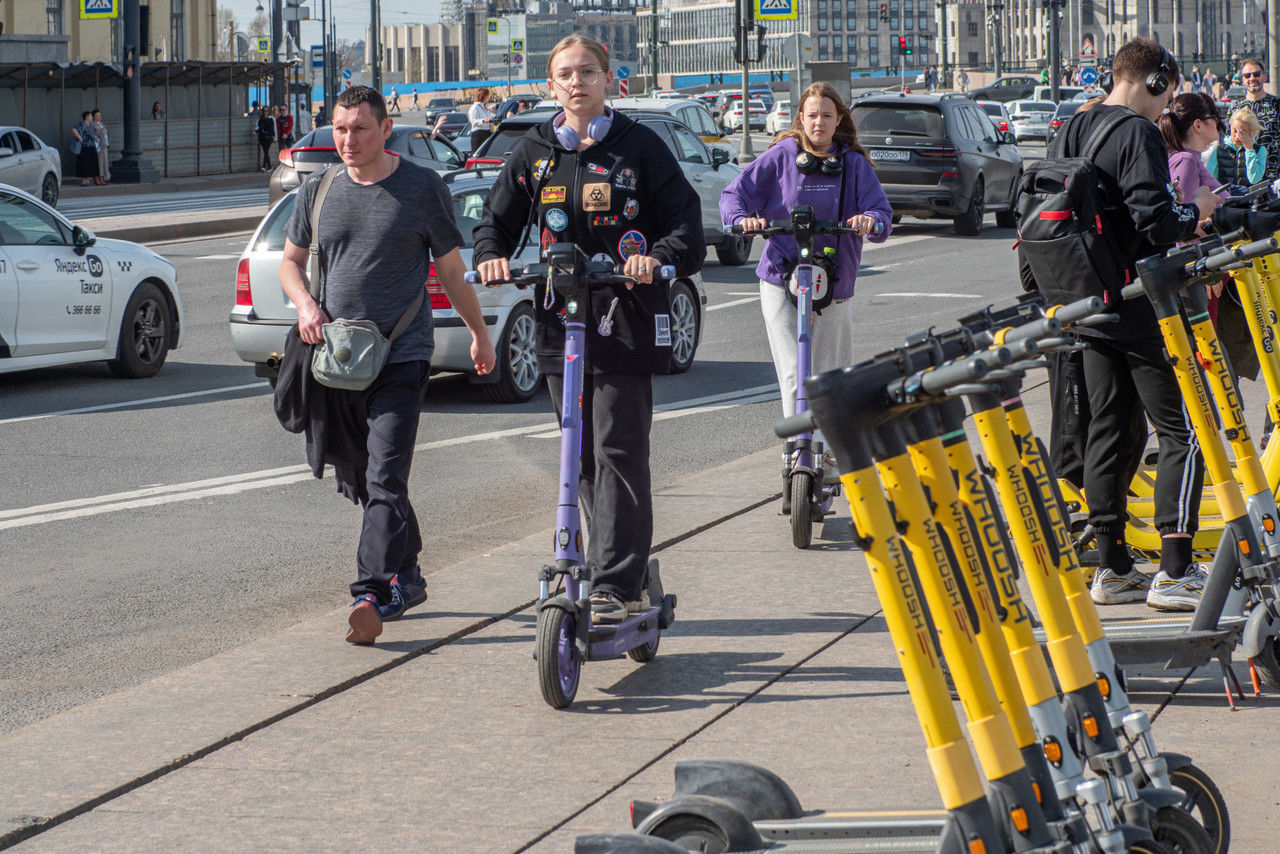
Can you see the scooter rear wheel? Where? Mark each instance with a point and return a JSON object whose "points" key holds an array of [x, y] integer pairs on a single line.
{"points": [[1204, 802], [1180, 833], [693, 833], [802, 509], [558, 670], [1268, 663], [645, 652]]}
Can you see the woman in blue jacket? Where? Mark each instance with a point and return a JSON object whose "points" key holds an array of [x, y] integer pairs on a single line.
{"points": [[818, 162]]}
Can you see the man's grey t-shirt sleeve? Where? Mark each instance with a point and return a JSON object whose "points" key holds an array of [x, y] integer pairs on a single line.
{"points": [[442, 228]]}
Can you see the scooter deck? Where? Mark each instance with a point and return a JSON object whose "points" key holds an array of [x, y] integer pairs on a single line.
{"points": [[1168, 641], [889, 831], [615, 639]]}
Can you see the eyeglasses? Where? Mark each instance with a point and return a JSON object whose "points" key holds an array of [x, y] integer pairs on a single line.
{"points": [[1248, 74], [584, 75]]}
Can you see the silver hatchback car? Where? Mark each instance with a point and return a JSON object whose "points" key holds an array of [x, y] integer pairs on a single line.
{"points": [[263, 314], [30, 165]]}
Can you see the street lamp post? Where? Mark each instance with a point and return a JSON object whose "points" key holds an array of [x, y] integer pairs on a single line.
{"points": [[653, 49], [996, 9], [945, 57], [375, 39]]}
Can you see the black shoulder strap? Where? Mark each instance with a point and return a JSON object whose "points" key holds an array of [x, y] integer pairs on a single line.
{"points": [[317, 283], [1096, 139]]}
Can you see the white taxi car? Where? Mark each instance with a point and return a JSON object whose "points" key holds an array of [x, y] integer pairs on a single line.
{"points": [[262, 314], [67, 296]]}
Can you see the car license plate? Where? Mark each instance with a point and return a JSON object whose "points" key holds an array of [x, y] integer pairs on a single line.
{"points": [[890, 154]]}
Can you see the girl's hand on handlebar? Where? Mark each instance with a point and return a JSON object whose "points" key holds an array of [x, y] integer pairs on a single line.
{"points": [[753, 223], [493, 270], [862, 223], [640, 268]]}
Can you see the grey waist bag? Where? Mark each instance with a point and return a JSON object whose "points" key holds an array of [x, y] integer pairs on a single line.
{"points": [[353, 352]]}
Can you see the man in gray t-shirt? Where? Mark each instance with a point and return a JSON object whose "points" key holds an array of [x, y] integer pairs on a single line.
{"points": [[382, 223]]}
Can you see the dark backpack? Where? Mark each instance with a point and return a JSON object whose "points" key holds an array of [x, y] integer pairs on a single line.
{"points": [[1061, 231]]}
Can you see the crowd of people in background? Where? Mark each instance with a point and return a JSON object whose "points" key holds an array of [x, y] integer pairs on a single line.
{"points": [[91, 146], [271, 126]]}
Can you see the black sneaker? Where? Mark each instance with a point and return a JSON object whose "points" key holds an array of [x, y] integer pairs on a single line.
{"points": [[607, 608]]}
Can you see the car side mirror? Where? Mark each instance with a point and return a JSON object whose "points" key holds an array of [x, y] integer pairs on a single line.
{"points": [[82, 238], [719, 157], [1007, 137]]}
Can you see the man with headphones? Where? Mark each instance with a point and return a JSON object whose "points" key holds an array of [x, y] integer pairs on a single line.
{"points": [[1125, 365]]}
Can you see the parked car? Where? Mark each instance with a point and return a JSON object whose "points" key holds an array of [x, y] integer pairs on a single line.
{"points": [[30, 165], [1006, 89], [1061, 113], [998, 113], [1065, 93], [691, 113], [1030, 119], [779, 118], [940, 156], [316, 151], [708, 168], [756, 110], [435, 107], [263, 314], [508, 106], [67, 296]]}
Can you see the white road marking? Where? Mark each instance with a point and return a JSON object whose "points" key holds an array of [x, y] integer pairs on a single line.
{"points": [[929, 294], [151, 496], [732, 303], [222, 257], [124, 404], [741, 293], [896, 241]]}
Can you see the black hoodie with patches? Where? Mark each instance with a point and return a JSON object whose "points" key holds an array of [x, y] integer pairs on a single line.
{"points": [[625, 195]]}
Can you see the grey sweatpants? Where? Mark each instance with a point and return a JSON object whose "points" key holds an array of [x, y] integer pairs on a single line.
{"points": [[832, 339]]}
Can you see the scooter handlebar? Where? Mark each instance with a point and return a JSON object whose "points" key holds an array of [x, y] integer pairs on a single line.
{"points": [[940, 379], [1256, 249], [1073, 312], [783, 226], [794, 425], [1132, 291], [594, 271]]}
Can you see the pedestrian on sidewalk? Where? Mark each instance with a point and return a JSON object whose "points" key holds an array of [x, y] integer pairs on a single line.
{"points": [[383, 223], [157, 111], [1266, 107], [845, 188], [284, 127], [395, 100], [265, 128], [415, 97], [481, 120], [84, 146], [632, 203], [104, 149], [1125, 367]]}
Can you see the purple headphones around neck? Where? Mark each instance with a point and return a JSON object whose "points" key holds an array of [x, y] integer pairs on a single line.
{"points": [[597, 129]]}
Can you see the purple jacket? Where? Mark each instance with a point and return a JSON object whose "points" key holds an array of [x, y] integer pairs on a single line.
{"points": [[770, 186]]}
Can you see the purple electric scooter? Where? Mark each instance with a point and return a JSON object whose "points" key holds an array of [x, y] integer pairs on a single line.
{"points": [[808, 498], [566, 638]]}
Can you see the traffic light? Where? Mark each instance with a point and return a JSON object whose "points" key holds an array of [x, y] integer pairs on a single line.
{"points": [[902, 45], [760, 45], [884, 12]]}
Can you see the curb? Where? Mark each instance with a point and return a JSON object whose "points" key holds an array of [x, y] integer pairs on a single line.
{"points": [[73, 190], [180, 230]]}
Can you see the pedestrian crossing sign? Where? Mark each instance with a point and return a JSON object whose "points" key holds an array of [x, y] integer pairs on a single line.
{"points": [[264, 45], [517, 45], [94, 9], [776, 10], [491, 26]]}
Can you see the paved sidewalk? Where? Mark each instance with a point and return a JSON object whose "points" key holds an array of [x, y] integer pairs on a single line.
{"points": [[437, 738]]}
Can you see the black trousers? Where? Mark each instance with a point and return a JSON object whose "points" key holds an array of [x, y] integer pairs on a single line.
{"points": [[1069, 424], [614, 489], [1121, 377], [266, 153], [389, 537]]}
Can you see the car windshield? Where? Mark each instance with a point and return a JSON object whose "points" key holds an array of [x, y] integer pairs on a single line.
{"points": [[903, 120], [504, 140], [271, 238], [1034, 107], [1067, 108], [993, 109], [318, 138]]}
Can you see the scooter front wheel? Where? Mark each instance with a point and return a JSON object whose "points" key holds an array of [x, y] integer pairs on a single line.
{"points": [[1204, 802], [801, 509], [693, 833], [1267, 663], [645, 652], [1180, 832], [558, 669]]}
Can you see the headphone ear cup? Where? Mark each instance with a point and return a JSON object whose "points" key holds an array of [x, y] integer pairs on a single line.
{"points": [[1106, 81], [832, 165], [1157, 83], [567, 136], [598, 129], [806, 163]]}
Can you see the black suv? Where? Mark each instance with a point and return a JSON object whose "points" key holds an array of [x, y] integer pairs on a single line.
{"points": [[940, 156]]}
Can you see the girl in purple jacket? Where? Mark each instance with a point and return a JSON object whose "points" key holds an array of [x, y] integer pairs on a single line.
{"points": [[769, 187]]}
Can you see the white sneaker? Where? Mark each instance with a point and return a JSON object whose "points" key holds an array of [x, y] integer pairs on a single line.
{"points": [[1111, 588], [1177, 594]]}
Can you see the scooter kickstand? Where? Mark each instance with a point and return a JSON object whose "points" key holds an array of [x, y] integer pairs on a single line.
{"points": [[1226, 685], [1253, 677]]}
